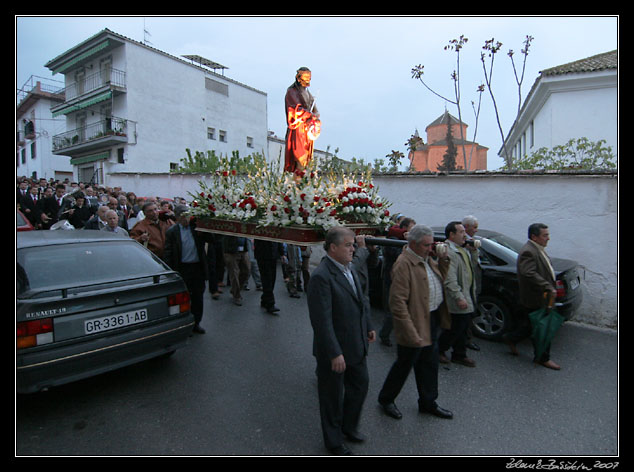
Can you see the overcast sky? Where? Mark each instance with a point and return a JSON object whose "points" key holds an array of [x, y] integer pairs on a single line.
{"points": [[361, 66]]}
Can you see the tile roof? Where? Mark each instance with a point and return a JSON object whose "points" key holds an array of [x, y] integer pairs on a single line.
{"points": [[606, 60]]}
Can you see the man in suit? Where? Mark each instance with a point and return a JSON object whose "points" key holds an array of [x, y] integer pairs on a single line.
{"points": [[30, 207], [460, 295], [537, 284], [340, 317], [418, 309], [185, 253]]}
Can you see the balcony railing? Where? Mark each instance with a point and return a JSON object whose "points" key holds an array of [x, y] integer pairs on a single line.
{"points": [[107, 76], [110, 127]]}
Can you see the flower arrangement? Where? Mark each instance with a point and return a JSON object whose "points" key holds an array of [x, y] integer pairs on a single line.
{"points": [[359, 202], [303, 198]]}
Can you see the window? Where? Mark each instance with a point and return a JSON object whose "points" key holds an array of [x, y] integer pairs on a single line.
{"points": [[120, 156], [531, 134], [33, 153], [211, 133], [222, 136], [249, 142]]}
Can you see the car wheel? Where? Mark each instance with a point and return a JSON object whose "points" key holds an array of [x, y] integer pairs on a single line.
{"points": [[492, 318]]}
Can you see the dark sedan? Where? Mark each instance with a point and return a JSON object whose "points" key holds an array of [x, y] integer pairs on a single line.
{"points": [[89, 302], [499, 295]]}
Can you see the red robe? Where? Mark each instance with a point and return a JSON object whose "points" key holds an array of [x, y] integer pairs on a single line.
{"points": [[299, 119]]}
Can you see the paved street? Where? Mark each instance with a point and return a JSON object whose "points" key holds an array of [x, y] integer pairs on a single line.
{"points": [[247, 387]]}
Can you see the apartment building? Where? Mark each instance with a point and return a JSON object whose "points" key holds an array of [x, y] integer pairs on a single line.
{"points": [[129, 107], [35, 128]]}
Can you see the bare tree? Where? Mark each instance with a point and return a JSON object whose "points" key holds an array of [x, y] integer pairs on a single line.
{"points": [[493, 48], [417, 73]]}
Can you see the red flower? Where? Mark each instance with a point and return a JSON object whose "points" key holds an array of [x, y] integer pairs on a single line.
{"points": [[195, 204], [333, 212], [273, 208]]}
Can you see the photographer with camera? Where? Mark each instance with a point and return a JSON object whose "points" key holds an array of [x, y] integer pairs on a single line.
{"points": [[460, 295]]}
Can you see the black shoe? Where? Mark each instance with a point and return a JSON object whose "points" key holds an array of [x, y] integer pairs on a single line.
{"points": [[391, 410], [295, 295], [354, 436], [340, 450], [198, 329], [272, 310], [473, 346], [437, 411]]}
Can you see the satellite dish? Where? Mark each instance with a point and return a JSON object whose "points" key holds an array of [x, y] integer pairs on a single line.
{"points": [[62, 224]]}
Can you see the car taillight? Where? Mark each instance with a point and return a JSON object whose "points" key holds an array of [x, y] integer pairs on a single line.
{"points": [[34, 333], [561, 289], [179, 303]]}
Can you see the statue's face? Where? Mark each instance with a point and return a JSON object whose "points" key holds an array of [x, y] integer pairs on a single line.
{"points": [[303, 78]]}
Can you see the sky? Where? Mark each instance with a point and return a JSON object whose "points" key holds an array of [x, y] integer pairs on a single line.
{"points": [[361, 66]]}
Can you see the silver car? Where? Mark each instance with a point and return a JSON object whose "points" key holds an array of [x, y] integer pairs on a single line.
{"points": [[89, 302]]}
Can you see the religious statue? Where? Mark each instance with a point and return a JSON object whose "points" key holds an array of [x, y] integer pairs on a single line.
{"points": [[303, 124]]}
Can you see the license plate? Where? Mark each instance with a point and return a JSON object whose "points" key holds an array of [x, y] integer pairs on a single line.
{"points": [[115, 321], [574, 283]]}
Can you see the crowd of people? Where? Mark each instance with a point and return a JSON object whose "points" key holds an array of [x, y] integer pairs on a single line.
{"points": [[163, 226], [429, 291]]}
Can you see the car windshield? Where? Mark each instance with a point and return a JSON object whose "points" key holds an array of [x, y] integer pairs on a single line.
{"points": [[68, 265]]}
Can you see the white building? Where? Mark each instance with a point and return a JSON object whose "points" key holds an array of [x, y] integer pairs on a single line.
{"points": [[35, 128], [570, 101], [132, 108]]}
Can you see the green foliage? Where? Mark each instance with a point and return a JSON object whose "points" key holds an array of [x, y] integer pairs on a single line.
{"points": [[209, 162], [576, 154]]}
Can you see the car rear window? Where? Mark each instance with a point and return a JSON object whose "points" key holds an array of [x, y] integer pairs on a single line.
{"points": [[69, 265]]}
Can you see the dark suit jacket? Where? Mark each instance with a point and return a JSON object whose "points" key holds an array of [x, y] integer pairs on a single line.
{"points": [[534, 276], [340, 319], [34, 212], [173, 249]]}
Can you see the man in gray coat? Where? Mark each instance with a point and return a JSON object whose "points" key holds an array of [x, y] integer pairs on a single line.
{"points": [[340, 317], [536, 279], [460, 295]]}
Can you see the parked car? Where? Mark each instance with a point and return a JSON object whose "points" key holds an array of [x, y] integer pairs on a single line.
{"points": [[21, 222], [89, 302], [499, 297]]}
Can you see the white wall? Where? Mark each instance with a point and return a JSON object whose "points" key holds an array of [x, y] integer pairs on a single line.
{"points": [[580, 210]]}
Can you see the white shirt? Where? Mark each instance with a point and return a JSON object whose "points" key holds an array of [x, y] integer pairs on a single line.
{"points": [[346, 271], [434, 282]]}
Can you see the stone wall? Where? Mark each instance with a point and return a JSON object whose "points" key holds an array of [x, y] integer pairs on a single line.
{"points": [[580, 209]]}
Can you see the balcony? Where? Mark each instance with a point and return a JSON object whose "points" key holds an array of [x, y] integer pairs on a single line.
{"points": [[99, 135], [91, 89]]}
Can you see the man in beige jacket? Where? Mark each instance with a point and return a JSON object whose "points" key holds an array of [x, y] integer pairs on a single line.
{"points": [[418, 309]]}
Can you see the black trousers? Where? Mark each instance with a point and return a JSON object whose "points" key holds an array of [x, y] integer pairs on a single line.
{"points": [[268, 272], [456, 336], [341, 398], [523, 329], [424, 362], [195, 281]]}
